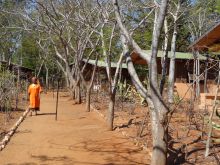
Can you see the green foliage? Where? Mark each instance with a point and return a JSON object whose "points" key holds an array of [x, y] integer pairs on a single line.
{"points": [[142, 71], [10, 35], [217, 6], [176, 99], [203, 15], [21, 46], [28, 52], [7, 88], [143, 37]]}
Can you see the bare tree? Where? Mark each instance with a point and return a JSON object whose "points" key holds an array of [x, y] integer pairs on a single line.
{"points": [[65, 26], [160, 110]]}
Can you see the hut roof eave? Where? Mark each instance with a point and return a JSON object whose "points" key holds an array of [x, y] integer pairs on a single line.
{"points": [[179, 56], [207, 40]]}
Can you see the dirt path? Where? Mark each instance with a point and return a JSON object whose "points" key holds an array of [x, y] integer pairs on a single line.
{"points": [[76, 138]]}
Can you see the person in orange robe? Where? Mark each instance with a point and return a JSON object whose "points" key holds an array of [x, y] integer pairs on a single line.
{"points": [[34, 91]]}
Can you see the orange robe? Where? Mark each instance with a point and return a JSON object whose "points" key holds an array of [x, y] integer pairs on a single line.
{"points": [[34, 93]]}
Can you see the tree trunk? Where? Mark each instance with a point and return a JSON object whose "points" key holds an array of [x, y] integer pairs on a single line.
{"points": [[67, 81], [171, 77], [164, 59], [197, 77], [111, 109], [78, 94], [159, 134], [73, 94], [47, 80], [104, 49], [159, 113], [89, 86], [73, 88], [194, 76], [71, 82], [88, 99]]}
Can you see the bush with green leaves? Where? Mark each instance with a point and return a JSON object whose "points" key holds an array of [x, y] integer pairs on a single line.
{"points": [[8, 88]]}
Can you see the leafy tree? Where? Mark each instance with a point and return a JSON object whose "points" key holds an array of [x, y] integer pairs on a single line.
{"points": [[28, 52]]}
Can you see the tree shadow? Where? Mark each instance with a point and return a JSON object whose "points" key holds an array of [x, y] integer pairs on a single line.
{"points": [[179, 156], [18, 109], [130, 122], [13, 109], [45, 158], [23, 131], [42, 114], [26, 163], [66, 160], [116, 153]]}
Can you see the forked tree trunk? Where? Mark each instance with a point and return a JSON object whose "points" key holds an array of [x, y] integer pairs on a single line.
{"points": [[110, 113], [89, 87], [159, 131], [111, 110], [159, 113]]}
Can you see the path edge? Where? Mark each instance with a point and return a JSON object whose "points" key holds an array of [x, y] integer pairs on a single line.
{"points": [[124, 133], [11, 131]]}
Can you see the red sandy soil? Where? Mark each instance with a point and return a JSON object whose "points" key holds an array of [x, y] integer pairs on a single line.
{"points": [[81, 138], [185, 145], [8, 119], [78, 137]]}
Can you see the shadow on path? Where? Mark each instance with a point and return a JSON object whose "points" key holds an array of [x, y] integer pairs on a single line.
{"points": [[41, 114]]}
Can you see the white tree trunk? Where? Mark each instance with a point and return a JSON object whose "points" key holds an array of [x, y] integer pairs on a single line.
{"points": [[164, 59], [159, 113], [171, 78]]}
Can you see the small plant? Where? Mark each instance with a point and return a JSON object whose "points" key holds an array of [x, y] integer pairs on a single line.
{"points": [[176, 98], [8, 91]]}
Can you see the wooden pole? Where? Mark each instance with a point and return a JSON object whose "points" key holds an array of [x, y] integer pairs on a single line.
{"points": [[58, 87], [198, 77], [205, 81], [194, 78], [26, 88], [53, 86], [18, 85], [197, 84]]}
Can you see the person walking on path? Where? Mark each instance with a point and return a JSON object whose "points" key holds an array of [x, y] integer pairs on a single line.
{"points": [[34, 91]]}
